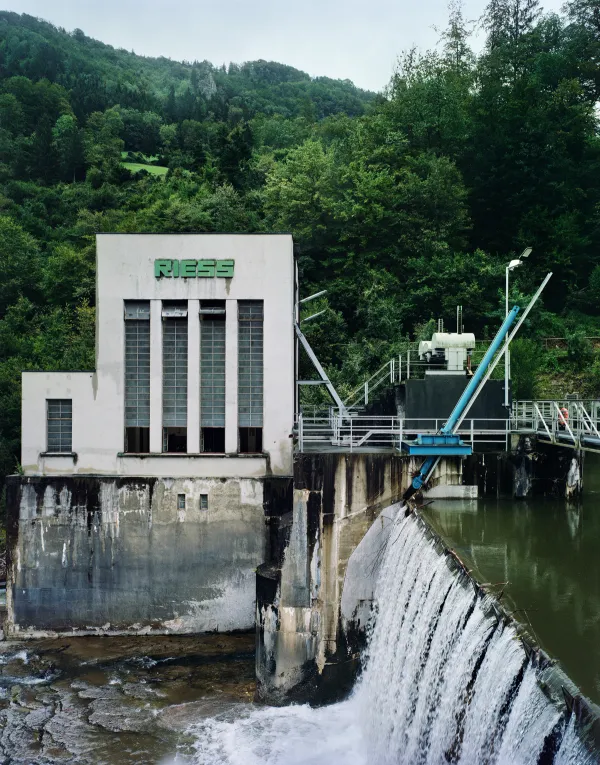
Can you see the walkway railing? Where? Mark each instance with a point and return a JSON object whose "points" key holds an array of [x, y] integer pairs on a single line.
{"points": [[397, 370], [578, 428], [335, 431], [390, 372]]}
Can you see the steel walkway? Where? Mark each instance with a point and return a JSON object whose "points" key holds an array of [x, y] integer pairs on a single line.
{"points": [[353, 431], [579, 428]]}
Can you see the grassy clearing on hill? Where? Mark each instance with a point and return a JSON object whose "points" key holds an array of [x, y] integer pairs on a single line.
{"points": [[135, 167]]}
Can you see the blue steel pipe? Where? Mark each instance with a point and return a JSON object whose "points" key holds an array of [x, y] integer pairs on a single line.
{"points": [[480, 371], [462, 402]]}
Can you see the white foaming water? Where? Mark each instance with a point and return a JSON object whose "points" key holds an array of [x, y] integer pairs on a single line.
{"points": [[443, 683]]}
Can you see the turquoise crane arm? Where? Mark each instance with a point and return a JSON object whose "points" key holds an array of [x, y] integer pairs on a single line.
{"points": [[450, 424]]}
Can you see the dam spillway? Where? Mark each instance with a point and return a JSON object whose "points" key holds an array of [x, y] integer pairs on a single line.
{"points": [[458, 684], [444, 681]]}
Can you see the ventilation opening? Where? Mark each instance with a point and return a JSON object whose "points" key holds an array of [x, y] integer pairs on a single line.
{"points": [[251, 440], [175, 362], [213, 440], [174, 439], [137, 440]]}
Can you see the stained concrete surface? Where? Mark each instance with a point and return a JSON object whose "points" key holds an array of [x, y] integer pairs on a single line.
{"points": [[102, 554]]}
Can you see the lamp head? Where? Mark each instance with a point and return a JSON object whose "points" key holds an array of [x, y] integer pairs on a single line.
{"points": [[526, 252], [514, 264]]}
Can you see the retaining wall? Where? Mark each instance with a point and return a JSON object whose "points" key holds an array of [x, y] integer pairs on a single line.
{"points": [[90, 554]]}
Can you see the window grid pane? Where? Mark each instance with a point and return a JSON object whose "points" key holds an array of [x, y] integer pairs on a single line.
{"points": [[60, 425], [175, 353], [250, 364], [137, 309], [212, 372], [137, 373]]}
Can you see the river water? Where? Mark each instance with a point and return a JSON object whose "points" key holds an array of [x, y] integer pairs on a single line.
{"points": [[444, 682], [543, 556]]}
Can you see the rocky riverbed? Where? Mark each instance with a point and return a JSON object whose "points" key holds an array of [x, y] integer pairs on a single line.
{"points": [[118, 699]]}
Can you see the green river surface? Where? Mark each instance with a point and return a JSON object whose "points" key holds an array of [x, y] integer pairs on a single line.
{"points": [[543, 555]]}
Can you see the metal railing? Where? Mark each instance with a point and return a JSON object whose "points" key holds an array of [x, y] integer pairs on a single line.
{"points": [[404, 367], [579, 428], [561, 343], [390, 372], [337, 431]]}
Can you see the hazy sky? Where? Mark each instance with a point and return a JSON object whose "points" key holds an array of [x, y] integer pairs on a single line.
{"points": [[354, 39]]}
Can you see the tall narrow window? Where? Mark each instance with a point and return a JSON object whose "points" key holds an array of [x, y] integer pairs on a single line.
{"points": [[60, 425], [250, 375], [137, 376], [212, 375], [175, 361]]}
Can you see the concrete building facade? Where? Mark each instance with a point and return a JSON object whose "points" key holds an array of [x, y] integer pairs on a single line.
{"points": [[189, 296], [142, 500]]}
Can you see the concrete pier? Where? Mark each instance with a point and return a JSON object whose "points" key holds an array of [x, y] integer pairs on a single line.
{"points": [[303, 649]]}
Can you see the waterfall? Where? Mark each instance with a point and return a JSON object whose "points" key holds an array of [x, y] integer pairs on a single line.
{"points": [[444, 682]]}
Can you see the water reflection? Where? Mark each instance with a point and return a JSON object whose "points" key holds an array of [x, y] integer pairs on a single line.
{"points": [[542, 556]]}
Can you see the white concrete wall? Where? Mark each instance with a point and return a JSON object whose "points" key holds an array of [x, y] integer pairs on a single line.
{"points": [[264, 270]]}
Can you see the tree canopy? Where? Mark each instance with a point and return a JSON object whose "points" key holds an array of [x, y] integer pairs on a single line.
{"points": [[402, 204]]}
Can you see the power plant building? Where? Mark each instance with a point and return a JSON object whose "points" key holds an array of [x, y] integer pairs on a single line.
{"points": [[194, 364], [141, 504]]}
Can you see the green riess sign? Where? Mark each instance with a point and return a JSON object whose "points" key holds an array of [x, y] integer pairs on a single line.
{"points": [[192, 269]]}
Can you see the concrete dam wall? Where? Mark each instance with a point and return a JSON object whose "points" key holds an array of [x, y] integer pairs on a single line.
{"points": [[312, 610], [189, 555], [102, 554], [304, 652], [107, 554]]}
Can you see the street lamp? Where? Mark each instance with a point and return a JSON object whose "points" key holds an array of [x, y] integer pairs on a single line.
{"points": [[512, 265]]}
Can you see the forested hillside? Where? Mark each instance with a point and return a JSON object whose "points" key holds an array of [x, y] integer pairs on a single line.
{"points": [[402, 204]]}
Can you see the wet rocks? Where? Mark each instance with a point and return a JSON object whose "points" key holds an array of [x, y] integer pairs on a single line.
{"points": [[125, 700]]}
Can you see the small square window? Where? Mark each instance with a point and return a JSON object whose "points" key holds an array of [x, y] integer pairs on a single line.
{"points": [[181, 501], [204, 502]]}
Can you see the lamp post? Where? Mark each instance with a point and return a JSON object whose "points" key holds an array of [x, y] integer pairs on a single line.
{"points": [[512, 265]]}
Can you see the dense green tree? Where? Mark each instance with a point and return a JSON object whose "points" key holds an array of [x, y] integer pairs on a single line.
{"points": [[67, 144], [456, 50], [141, 131], [11, 114], [532, 159], [507, 21], [431, 101], [103, 142], [44, 161], [234, 151], [37, 100], [583, 41], [19, 264]]}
